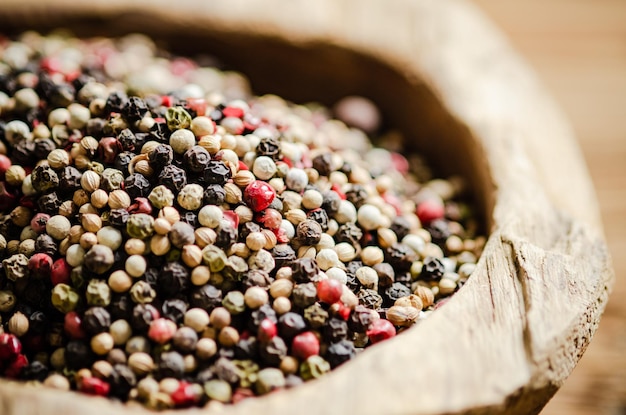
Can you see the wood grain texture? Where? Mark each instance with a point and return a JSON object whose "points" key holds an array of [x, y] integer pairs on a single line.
{"points": [[578, 49], [491, 349]]}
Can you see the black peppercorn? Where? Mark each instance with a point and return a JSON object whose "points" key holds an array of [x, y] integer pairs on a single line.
{"points": [[273, 351], [304, 269], [35, 370], [96, 320], [401, 226], [45, 244], [216, 172], [95, 127], [174, 309], [257, 316], [432, 270], [142, 316], [22, 153], [172, 177], [160, 157], [226, 370], [196, 159], [395, 291], [49, 203], [190, 218], [226, 235], [43, 147], [37, 322], [370, 298], [214, 194], [115, 102], [127, 139], [360, 319], [290, 324], [44, 178], [400, 257], [336, 329], [349, 233], [357, 195], [78, 355], [322, 164], [118, 217], [69, 179], [439, 231], [386, 274], [254, 278], [121, 307], [207, 297], [173, 279], [320, 216], [122, 161], [136, 185], [246, 349], [331, 202], [270, 147], [135, 109], [121, 380], [303, 295], [309, 232], [185, 340], [283, 254], [171, 365], [340, 352]]}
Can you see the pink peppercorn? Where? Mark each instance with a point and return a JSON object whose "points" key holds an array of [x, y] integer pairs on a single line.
{"points": [[242, 393], [14, 368], [141, 205], [167, 101], [233, 112], [198, 105], [381, 330], [281, 236], [60, 272], [267, 330], [270, 218], [329, 291], [232, 218], [305, 345], [108, 148], [72, 324], [185, 395], [258, 195], [430, 210], [10, 346], [5, 163], [38, 222], [162, 330], [242, 166], [94, 386], [343, 311], [40, 265]]}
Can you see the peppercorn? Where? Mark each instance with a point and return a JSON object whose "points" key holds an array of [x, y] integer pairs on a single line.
{"points": [[432, 270], [216, 172], [206, 297], [96, 320], [171, 364], [340, 352], [214, 194], [99, 259], [313, 367], [77, 355], [134, 109], [122, 380]]}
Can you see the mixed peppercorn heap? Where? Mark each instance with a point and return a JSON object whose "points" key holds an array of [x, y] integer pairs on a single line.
{"points": [[167, 238]]}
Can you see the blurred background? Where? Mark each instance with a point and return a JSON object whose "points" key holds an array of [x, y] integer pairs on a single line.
{"points": [[578, 50]]}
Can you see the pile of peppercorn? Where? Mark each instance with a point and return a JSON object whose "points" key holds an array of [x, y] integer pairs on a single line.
{"points": [[167, 238]]}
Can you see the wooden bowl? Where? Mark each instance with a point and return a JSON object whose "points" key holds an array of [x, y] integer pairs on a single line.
{"points": [[441, 73]]}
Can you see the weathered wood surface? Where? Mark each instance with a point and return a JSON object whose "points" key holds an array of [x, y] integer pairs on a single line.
{"points": [[577, 49], [508, 340]]}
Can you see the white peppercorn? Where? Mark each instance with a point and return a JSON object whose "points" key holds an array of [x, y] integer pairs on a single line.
{"points": [[58, 227], [190, 196]]}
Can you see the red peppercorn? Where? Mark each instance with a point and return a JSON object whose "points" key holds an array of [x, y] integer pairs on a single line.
{"points": [[233, 112], [258, 195], [400, 163], [267, 330], [94, 386], [198, 105], [305, 345], [270, 218], [429, 210], [329, 291], [162, 330], [72, 324], [108, 148], [242, 393], [38, 222], [337, 189], [242, 166], [281, 236], [5, 163], [380, 330], [232, 218], [60, 272], [14, 368], [141, 205], [394, 201], [10, 346], [40, 265], [343, 311], [167, 101], [184, 396]]}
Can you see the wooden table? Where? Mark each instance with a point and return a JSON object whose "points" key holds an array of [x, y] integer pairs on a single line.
{"points": [[578, 50]]}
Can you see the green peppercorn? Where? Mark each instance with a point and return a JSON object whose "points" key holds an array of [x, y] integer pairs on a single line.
{"points": [[140, 225], [16, 267], [314, 367], [161, 197], [98, 293], [234, 302], [214, 258], [269, 379], [64, 298], [142, 293], [177, 118]]}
